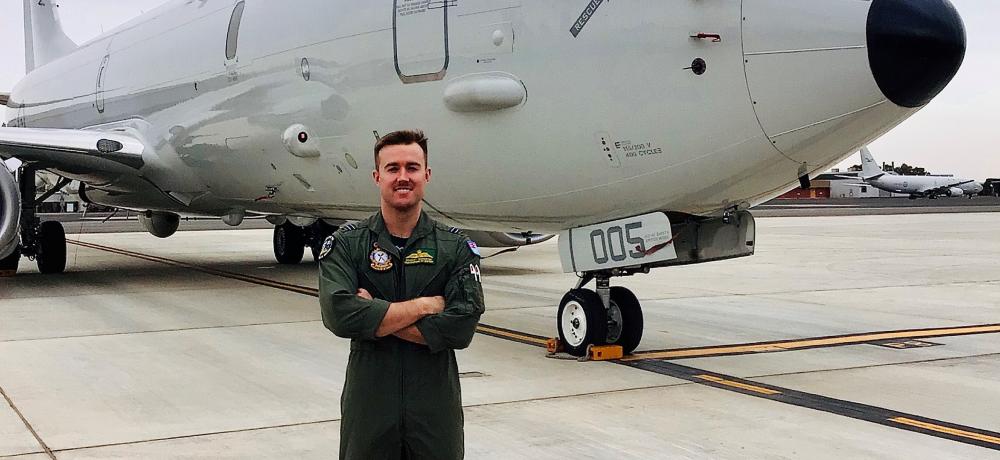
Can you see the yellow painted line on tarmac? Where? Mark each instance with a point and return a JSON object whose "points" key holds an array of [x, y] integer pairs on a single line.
{"points": [[946, 430], [790, 345], [742, 386]]}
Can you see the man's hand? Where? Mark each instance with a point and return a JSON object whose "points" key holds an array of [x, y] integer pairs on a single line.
{"points": [[404, 314], [364, 294]]}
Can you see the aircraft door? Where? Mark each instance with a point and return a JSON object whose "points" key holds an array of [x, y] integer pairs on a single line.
{"points": [[420, 39], [19, 122], [233, 41], [101, 76]]}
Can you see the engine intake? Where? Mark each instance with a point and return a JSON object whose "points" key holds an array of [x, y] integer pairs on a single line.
{"points": [[10, 212]]}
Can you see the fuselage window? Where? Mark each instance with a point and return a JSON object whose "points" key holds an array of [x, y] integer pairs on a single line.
{"points": [[234, 31]]}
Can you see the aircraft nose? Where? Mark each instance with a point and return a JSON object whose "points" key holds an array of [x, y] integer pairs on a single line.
{"points": [[915, 47]]}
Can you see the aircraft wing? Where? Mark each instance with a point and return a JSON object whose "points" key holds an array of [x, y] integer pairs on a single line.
{"points": [[73, 150], [867, 178], [944, 188]]}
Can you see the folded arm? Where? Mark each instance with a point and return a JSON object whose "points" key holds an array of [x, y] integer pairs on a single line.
{"points": [[400, 316], [456, 325]]}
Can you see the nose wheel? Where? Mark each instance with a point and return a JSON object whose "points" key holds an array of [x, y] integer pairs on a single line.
{"points": [[624, 319], [582, 321], [607, 316]]}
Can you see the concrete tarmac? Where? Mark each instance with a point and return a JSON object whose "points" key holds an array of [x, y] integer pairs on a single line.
{"points": [[876, 206], [843, 337]]}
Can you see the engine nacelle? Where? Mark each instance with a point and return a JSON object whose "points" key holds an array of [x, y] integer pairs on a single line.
{"points": [[505, 240], [160, 224], [10, 211], [955, 191]]}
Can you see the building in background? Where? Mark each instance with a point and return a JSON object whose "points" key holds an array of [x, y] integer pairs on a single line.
{"points": [[836, 184]]}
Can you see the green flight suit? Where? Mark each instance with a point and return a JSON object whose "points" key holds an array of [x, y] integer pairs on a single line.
{"points": [[401, 399]]}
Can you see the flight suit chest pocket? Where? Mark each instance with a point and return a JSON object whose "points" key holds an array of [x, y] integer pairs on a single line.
{"points": [[426, 280], [380, 283]]}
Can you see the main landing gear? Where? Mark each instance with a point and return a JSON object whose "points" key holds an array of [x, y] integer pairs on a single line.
{"points": [[290, 241], [44, 242], [611, 315]]}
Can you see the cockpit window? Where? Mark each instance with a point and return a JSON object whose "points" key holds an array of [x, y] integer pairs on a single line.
{"points": [[234, 31]]}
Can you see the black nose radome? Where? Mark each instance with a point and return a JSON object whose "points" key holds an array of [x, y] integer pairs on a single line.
{"points": [[915, 47]]}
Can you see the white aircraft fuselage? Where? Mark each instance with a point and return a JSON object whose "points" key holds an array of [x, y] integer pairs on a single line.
{"points": [[542, 115], [920, 185]]}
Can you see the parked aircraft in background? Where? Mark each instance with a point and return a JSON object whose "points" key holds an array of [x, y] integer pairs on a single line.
{"points": [[650, 130], [916, 186]]}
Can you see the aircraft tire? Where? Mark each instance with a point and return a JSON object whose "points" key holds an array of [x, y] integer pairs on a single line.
{"points": [[51, 257], [582, 321], [625, 308], [289, 244], [8, 265]]}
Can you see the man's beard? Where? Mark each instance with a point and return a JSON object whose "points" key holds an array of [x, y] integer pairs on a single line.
{"points": [[404, 208]]}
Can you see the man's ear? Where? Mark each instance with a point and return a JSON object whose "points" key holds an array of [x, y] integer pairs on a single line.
{"points": [[428, 175], [375, 176]]}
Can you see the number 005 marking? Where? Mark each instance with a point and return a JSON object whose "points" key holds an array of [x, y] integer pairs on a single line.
{"points": [[610, 244]]}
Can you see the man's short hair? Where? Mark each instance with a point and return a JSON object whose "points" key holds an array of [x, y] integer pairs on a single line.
{"points": [[403, 137]]}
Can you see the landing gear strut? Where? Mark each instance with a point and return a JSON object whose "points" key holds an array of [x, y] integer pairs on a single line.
{"points": [[45, 242], [607, 316]]}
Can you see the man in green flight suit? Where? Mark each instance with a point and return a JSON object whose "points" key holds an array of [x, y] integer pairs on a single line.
{"points": [[407, 291]]}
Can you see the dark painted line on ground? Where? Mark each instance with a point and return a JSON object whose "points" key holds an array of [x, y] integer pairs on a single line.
{"points": [[31, 429], [858, 411]]}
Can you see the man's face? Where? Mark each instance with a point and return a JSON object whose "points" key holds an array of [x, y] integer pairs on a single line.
{"points": [[401, 174]]}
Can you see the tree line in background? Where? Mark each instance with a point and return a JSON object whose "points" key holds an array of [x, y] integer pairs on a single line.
{"points": [[903, 169]]}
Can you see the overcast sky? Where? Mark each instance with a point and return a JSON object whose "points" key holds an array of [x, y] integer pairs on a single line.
{"points": [[957, 133]]}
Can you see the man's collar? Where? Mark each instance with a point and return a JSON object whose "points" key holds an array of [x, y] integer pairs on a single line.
{"points": [[424, 226]]}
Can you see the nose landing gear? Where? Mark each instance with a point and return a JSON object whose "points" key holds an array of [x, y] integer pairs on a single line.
{"points": [[607, 316]]}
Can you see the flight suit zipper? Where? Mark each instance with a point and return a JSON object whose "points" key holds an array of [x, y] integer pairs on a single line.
{"points": [[400, 280], [400, 297]]}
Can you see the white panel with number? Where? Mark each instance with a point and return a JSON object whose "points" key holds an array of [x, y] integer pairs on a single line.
{"points": [[622, 243]]}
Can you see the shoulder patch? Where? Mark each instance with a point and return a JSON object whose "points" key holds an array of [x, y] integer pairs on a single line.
{"points": [[327, 246], [348, 227], [455, 230], [473, 247]]}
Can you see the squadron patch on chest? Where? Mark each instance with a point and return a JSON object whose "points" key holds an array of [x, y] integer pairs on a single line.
{"points": [[327, 247], [420, 256], [381, 261]]}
